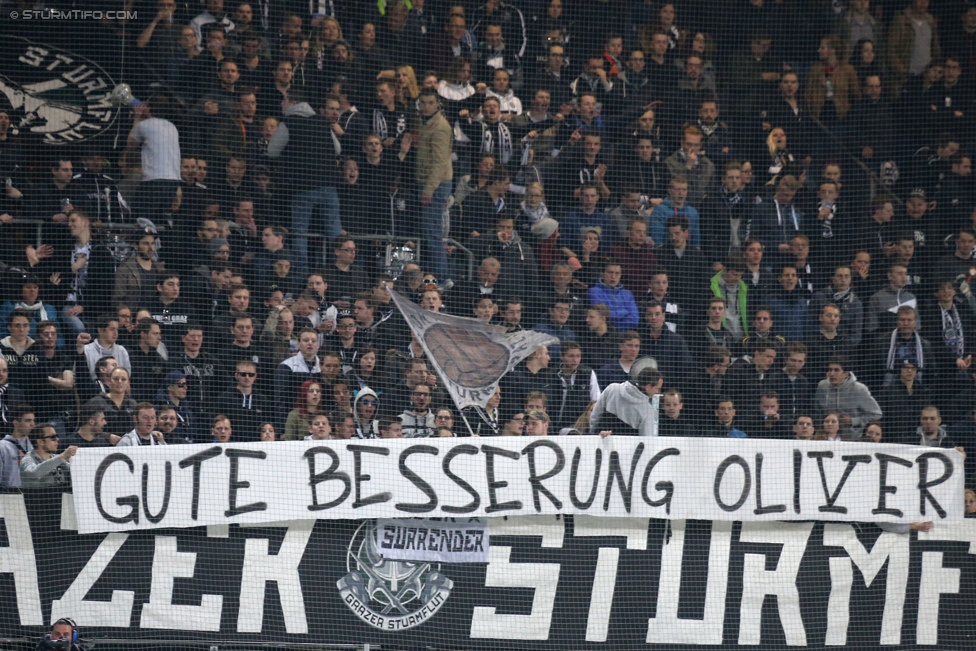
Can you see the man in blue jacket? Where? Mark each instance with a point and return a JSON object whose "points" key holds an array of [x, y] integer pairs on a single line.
{"points": [[609, 291]]}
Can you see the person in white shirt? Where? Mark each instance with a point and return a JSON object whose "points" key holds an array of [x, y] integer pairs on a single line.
{"points": [[145, 432]]}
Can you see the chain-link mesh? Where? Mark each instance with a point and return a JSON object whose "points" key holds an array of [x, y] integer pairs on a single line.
{"points": [[739, 220]]}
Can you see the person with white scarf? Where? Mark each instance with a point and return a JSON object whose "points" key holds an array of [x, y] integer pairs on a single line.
{"points": [[891, 348], [497, 137], [949, 322], [534, 218]]}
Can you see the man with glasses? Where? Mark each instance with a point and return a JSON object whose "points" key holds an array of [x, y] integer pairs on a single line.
{"points": [[550, 77], [246, 408], [556, 325], [145, 432], [418, 421], [345, 277], [415, 374], [43, 466], [632, 79], [345, 342], [175, 396]]}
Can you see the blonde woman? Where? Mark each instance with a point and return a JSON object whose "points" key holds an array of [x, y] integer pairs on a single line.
{"points": [[407, 88], [781, 161], [328, 32]]}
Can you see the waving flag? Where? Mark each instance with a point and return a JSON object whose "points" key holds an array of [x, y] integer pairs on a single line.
{"points": [[469, 356]]}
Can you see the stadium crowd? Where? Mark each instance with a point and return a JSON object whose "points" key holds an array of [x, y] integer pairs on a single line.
{"points": [[772, 200]]}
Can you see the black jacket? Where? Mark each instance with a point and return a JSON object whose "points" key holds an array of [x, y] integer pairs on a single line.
{"points": [[306, 162], [246, 413]]}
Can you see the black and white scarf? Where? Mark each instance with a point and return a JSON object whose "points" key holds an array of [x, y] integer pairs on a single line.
{"points": [[898, 351], [504, 141], [840, 297], [952, 333], [708, 129], [4, 407], [382, 129], [37, 309], [827, 225], [731, 198]]}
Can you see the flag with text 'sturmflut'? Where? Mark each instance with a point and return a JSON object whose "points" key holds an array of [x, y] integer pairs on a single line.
{"points": [[468, 355]]}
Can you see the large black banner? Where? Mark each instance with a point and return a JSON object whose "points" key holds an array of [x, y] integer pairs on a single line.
{"points": [[551, 583]]}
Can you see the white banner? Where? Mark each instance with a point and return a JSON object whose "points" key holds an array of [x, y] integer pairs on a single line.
{"points": [[120, 489], [443, 541]]}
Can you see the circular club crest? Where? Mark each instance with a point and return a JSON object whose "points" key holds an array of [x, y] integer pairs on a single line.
{"points": [[391, 595], [56, 96], [468, 357]]}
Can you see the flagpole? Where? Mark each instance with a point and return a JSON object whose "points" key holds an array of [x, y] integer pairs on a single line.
{"points": [[471, 340], [465, 419]]}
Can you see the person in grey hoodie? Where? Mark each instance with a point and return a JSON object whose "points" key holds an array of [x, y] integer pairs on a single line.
{"points": [[627, 408], [43, 466], [16, 445], [841, 392], [932, 433]]}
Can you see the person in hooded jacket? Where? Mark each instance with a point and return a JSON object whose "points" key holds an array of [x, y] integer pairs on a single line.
{"points": [[841, 392], [627, 408], [364, 410]]}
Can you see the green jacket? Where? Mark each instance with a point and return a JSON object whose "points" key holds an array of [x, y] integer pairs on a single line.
{"points": [[743, 302]]}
